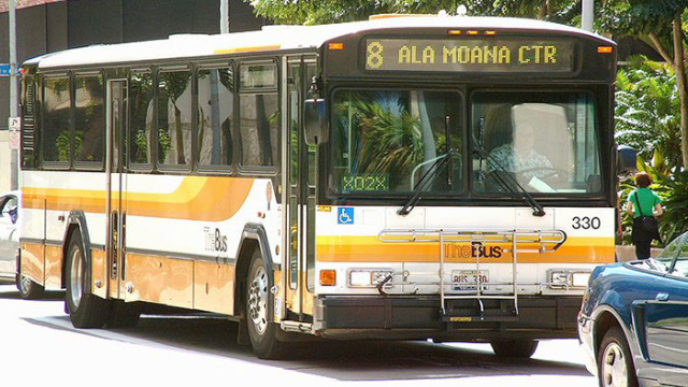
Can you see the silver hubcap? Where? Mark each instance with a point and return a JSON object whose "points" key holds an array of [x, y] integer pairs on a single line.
{"points": [[24, 283], [258, 301], [76, 273], [614, 371]]}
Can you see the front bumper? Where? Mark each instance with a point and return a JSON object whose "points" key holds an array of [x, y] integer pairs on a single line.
{"points": [[420, 317], [585, 335]]}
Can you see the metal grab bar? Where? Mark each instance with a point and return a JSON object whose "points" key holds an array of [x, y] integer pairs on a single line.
{"points": [[549, 241]]}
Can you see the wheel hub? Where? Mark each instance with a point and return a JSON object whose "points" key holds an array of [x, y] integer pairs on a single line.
{"points": [[614, 371], [258, 301], [76, 273]]}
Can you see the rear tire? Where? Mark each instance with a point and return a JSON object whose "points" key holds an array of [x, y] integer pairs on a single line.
{"points": [[262, 331], [615, 362], [123, 314], [28, 289], [85, 309], [521, 349]]}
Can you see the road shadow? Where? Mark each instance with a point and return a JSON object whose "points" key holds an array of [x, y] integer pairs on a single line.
{"points": [[8, 291], [343, 361]]}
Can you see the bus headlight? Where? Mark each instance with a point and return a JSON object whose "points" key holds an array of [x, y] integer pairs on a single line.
{"points": [[368, 278], [568, 278]]}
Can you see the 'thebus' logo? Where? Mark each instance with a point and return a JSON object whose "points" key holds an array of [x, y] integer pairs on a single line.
{"points": [[475, 250]]}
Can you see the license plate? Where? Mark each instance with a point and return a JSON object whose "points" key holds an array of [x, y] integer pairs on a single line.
{"points": [[468, 279]]}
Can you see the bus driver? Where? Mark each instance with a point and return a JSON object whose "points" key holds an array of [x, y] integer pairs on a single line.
{"points": [[521, 157]]}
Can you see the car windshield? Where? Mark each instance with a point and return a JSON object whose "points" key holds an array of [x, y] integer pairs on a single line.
{"points": [[546, 141], [384, 141]]}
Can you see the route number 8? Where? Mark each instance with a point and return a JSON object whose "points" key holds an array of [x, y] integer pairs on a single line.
{"points": [[374, 58]]}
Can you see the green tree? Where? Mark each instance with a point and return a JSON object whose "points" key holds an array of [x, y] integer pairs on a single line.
{"points": [[646, 112], [330, 11], [660, 24]]}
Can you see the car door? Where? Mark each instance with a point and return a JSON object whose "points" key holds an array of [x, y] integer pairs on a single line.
{"points": [[666, 317], [8, 237]]}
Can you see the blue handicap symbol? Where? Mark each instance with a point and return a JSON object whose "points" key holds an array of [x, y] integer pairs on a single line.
{"points": [[345, 215]]}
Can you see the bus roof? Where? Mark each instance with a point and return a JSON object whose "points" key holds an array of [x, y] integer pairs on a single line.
{"points": [[275, 38]]}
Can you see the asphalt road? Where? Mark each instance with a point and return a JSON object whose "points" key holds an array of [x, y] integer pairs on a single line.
{"points": [[39, 347]]}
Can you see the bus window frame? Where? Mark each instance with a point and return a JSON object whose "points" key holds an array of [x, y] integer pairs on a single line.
{"points": [[56, 165], [463, 192], [89, 165], [517, 196], [148, 167], [224, 169], [158, 165], [256, 170]]}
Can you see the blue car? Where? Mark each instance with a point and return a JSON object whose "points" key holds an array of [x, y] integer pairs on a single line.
{"points": [[633, 323]]}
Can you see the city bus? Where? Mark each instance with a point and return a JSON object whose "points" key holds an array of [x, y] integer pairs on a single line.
{"points": [[427, 177]]}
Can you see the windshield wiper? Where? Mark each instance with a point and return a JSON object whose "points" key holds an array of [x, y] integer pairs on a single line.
{"points": [[537, 207], [424, 182]]}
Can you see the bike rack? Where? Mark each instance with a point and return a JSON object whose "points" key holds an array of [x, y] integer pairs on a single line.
{"points": [[548, 241]]}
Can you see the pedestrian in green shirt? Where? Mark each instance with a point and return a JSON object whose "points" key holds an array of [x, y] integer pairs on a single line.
{"points": [[643, 202]]}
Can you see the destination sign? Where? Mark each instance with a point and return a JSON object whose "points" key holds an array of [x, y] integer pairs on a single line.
{"points": [[486, 55]]}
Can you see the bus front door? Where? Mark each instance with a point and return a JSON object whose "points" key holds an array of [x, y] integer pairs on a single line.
{"points": [[301, 188], [116, 192]]}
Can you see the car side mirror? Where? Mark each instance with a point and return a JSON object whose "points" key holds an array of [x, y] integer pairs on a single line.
{"points": [[315, 121], [625, 159]]}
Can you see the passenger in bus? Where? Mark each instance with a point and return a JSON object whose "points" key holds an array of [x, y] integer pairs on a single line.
{"points": [[521, 157], [643, 204]]}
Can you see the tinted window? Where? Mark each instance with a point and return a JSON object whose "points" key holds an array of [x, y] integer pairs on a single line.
{"points": [[56, 138], [141, 113], [89, 124], [259, 117], [174, 118], [547, 142], [384, 141], [215, 114]]}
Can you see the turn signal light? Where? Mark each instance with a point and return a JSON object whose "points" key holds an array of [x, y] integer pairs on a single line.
{"points": [[605, 49], [336, 46], [328, 277]]}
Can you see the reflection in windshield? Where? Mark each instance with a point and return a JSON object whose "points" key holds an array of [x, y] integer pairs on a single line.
{"points": [[384, 141], [547, 142]]}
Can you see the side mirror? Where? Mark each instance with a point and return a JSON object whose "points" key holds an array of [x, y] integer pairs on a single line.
{"points": [[315, 121], [625, 159]]}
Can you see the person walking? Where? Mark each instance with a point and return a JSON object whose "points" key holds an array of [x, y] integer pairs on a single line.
{"points": [[644, 204]]}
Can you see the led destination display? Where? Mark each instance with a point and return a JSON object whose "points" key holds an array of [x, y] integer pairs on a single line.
{"points": [[491, 55]]}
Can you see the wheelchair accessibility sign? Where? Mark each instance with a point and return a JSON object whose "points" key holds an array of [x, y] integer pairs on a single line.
{"points": [[345, 215]]}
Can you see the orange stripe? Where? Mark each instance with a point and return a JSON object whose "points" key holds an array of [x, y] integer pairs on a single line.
{"points": [[370, 249], [247, 49], [197, 198]]}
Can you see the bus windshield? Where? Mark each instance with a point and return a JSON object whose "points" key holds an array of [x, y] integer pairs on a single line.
{"points": [[384, 141], [545, 141]]}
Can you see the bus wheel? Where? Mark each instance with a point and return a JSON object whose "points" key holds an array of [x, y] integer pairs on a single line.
{"points": [[85, 309], [259, 311], [514, 348], [28, 289]]}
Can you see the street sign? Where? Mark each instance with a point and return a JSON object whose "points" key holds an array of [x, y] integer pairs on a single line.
{"points": [[4, 69]]}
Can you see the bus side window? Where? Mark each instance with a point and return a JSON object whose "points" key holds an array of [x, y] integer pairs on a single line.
{"points": [[89, 125], [174, 118], [56, 133], [215, 115], [259, 117], [141, 118]]}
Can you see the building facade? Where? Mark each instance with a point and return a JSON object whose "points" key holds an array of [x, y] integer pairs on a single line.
{"points": [[44, 26]]}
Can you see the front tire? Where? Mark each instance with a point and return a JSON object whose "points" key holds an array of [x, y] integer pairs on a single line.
{"points": [[28, 289], [85, 309], [262, 331], [615, 362], [522, 349]]}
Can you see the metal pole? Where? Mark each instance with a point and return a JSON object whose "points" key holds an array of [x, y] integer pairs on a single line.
{"points": [[224, 16], [588, 14], [13, 90]]}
